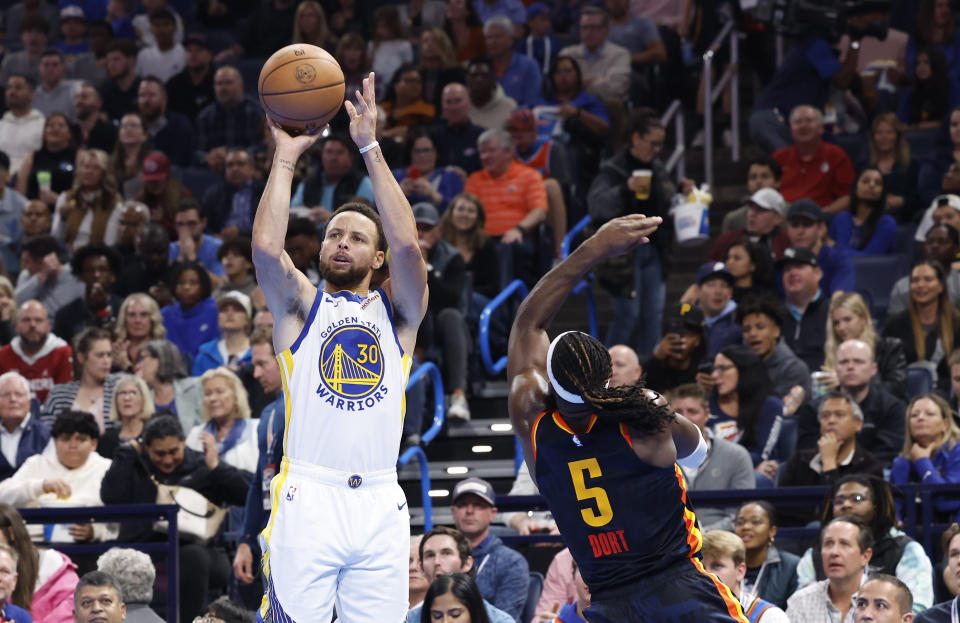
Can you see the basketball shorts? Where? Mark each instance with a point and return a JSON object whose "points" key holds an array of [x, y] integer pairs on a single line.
{"points": [[335, 538], [682, 593]]}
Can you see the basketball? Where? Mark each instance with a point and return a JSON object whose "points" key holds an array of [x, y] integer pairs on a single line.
{"points": [[301, 88]]}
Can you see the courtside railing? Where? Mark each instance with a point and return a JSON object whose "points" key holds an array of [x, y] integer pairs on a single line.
{"points": [[439, 408], [584, 286], [712, 91], [674, 114], [514, 287]]}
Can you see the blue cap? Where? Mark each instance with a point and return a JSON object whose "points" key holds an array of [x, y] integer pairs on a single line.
{"points": [[537, 8], [714, 269]]}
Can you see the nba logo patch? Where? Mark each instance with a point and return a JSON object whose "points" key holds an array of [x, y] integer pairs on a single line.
{"points": [[291, 491]]}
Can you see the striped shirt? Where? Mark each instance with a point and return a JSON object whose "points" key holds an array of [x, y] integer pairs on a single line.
{"points": [[509, 198]]}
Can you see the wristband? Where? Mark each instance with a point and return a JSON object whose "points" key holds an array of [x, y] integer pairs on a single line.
{"points": [[364, 150]]}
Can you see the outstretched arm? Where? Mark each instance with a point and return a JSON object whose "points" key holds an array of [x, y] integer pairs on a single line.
{"points": [[288, 292], [407, 285]]}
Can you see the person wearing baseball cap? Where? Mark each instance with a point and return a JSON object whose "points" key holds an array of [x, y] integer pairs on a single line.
{"points": [[943, 209], [232, 349], [681, 349], [718, 307], [805, 327], [807, 227], [539, 44], [502, 573], [766, 210], [191, 90]]}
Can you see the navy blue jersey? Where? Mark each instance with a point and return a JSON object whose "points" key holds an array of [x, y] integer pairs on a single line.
{"points": [[623, 519]]}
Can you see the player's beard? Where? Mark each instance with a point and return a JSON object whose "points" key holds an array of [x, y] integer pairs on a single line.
{"points": [[345, 280]]}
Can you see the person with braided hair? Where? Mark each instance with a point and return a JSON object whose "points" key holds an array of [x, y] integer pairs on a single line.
{"points": [[605, 458]]}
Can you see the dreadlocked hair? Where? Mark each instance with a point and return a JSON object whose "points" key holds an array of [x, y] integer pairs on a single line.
{"points": [[581, 365]]}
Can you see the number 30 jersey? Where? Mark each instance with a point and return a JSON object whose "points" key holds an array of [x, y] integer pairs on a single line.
{"points": [[622, 518], [343, 381]]}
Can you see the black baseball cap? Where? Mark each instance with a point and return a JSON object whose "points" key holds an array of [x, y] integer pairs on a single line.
{"points": [[808, 209], [797, 255]]}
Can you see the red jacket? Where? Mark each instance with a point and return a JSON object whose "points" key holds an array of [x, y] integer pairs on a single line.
{"points": [[52, 365]]}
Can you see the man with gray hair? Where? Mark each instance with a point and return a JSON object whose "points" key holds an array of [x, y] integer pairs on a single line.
{"points": [[518, 74], [98, 599], [605, 65], [22, 433], [8, 584], [134, 574]]}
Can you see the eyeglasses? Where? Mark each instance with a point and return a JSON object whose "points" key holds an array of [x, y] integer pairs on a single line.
{"points": [[854, 498]]}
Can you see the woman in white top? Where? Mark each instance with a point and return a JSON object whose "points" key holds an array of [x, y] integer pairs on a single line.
{"points": [[389, 48], [90, 211], [226, 413]]}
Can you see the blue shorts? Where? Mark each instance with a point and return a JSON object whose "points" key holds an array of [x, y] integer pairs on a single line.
{"points": [[682, 593]]}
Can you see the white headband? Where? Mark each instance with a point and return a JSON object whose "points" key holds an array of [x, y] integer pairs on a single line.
{"points": [[568, 396]]}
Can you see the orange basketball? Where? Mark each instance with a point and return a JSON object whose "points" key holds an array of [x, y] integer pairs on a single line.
{"points": [[301, 87]]}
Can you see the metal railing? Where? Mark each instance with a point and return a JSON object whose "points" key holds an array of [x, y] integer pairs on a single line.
{"points": [[495, 367], [676, 160], [711, 92], [439, 409], [584, 286], [120, 513]]}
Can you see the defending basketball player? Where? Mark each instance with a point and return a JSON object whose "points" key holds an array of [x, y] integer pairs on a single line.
{"points": [[605, 457], [339, 529]]}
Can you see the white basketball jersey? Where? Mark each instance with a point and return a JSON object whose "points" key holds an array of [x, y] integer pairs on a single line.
{"points": [[344, 381]]}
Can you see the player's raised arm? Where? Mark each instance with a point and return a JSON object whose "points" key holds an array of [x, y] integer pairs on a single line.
{"points": [[407, 286], [288, 292]]}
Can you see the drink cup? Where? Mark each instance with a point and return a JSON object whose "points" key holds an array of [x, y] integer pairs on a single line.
{"points": [[646, 178]]}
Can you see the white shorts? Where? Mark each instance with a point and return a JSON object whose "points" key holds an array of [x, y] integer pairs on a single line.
{"points": [[335, 537]]}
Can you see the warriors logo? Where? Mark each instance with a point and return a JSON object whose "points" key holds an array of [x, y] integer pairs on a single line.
{"points": [[305, 73], [351, 363]]}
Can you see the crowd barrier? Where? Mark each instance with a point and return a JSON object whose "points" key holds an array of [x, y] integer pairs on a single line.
{"points": [[439, 409]]}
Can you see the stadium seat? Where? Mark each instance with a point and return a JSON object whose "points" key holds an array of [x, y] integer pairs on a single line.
{"points": [[533, 596], [904, 243], [919, 381], [249, 68], [875, 275]]}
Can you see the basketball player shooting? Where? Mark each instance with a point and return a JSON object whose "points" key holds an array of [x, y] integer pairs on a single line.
{"points": [[339, 529], [605, 457]]}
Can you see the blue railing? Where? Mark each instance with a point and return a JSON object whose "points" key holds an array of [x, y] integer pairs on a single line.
{"points": [[120, 513], [496, 367], [584, 286], [439, 408]]}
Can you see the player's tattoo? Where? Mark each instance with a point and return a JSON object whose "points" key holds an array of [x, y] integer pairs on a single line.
{"points": [[376, 154], [287, 164]]}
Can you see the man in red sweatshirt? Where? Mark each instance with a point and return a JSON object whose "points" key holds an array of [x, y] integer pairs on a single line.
{"points": [[43, 358]]}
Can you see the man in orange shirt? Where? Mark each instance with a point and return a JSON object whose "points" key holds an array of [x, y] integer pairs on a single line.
{"points": [[514, 199]]}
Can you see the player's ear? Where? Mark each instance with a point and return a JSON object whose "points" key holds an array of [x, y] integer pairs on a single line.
{"points": [[378, 260]]}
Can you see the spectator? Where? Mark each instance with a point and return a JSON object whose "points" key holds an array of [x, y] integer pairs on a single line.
{"points": [[727, 466], [46, 577], [742, 409], [515, 201], [561, 586], [310, 25], [230, 121], [335, 181], [351, 53], [438, 64], [850, 320], [930, 328], [303, 247], [883, 412], [11, 202], [232, 349], [267, 30], [44, 278], [456, 135], [890, 153], [161, 192], [163, 458], [143, 23], [445, 551], [74, 474], [54, 93], [193, 245], [73, 30], [43, 358], [636, 33], [128, 154], [931, 91], [90, 211], [138, 321], [404, 103], [8, 311], [423, 180], [170, 132], [161, 367], [761, 320], [456, 593], [517, 74], [813, 168], [807, 227], [192, 320], [936, 27], [930, 452], [231, 204], [17, 12], [883, 597], [490, 106], [763, 172], [625, 364], [771, 572], [227, 427], [725, 555], [766, 210], [149, 270], [719, 309], [35, 222], [92, 390], [418, 581], [942, 244], [225, 609], [941, 171], [131, 406], [134, 574], [444, 325], [121, 88], [807, 307], [388, 49], [637, 299], [191, 90], [134, 216], [868, 500], [943, 210], [465, 30], [95, 131], [23, 433], [606, 65], [941, 613], [165, 57], [236, 257], [34, 37], [847, 548], [538, 43], [8, 566], [752, 269], [53, 163], [864, 228], [678, 354]]}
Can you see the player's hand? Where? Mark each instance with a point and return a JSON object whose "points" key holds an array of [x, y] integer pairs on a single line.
{"points": [[620, 235], [289, 148], [82, 533], [57, 486], [243, 564], [363, 113]]}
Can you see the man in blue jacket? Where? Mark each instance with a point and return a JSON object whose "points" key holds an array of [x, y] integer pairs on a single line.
{"points": [[22, 432]]}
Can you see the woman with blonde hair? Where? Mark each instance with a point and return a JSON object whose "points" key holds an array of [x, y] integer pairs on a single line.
{"points": [[138, 321], [227, 424], [352, 56], [310, 25], [930, 453], [438, 64], [890, 153], [849, 319], [90, 211], [8, 311], [131, 407]]}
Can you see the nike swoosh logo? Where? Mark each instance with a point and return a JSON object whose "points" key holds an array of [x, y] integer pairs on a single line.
{"points": [[400, 506]]}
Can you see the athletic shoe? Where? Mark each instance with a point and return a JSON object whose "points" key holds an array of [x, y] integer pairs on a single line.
{"points": [[458, 410]]}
